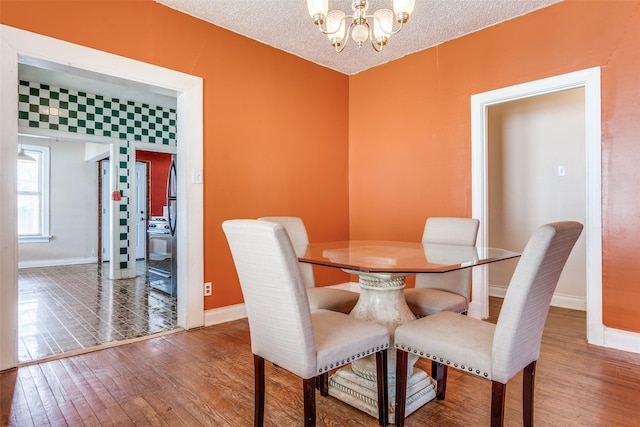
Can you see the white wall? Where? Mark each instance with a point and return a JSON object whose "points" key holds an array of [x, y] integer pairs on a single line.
{"points": [[528, 140], [74, 206]]}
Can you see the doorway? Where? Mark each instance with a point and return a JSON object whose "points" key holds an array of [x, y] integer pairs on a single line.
{"points": [[536, 159], [589, 80], [26, 47], [66, 301], [141, 208]]}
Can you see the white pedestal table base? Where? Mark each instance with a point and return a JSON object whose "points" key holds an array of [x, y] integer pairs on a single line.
{"points": [[382, 301]]}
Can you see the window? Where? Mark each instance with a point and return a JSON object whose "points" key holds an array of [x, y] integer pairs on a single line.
{"points": [[33, 196]]}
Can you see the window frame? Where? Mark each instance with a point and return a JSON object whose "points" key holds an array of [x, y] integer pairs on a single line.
{"points": [[43, 192]]}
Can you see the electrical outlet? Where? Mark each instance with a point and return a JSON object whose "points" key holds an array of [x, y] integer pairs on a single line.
{"points": [[207, 289]]}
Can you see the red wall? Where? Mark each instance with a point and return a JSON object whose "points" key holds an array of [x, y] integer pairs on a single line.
{"points": [[415, 161], [158, 170]]}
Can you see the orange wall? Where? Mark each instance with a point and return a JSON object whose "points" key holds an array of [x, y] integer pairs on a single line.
{"points": [[416, 161], [273, 145]]}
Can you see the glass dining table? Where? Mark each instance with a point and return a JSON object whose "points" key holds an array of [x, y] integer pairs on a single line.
{"points": [[382, 267]]}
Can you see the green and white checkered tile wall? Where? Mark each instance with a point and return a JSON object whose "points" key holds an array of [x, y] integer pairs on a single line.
{"points": [[56, 109], [124, 184], [48, 107]]}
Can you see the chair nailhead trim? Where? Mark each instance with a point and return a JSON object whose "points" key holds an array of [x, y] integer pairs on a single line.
{"points": [[442, 360], [351, 358]]}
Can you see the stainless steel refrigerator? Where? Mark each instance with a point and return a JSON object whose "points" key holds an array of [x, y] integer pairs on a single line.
{"points": [[172, 213]]}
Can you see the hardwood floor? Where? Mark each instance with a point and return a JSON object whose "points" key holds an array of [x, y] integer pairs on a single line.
{"points": [[205, 377]]}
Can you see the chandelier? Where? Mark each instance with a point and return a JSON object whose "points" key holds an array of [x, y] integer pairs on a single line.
{"points": [[377, 28]]}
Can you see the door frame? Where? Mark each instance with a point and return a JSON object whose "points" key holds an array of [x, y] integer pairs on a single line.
{"points": [[23, 46], [141, 182], [589, 79], [104, 224]]}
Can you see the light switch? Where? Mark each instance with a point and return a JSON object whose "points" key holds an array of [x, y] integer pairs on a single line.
{"points": [[196, 176], [561, 171]]}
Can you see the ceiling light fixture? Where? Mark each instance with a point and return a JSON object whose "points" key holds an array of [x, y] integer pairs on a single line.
{"points": [[378, 28], [24, 157]]}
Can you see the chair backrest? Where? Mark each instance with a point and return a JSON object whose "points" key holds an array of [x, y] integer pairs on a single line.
{"points": [[518, 333], [298, 235], [274, 294], [451, 231]]}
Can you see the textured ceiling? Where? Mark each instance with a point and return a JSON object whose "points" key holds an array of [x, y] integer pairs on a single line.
{"points": [[286, 25]]}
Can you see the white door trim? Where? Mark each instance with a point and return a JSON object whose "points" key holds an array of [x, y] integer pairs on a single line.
{"points": [[590, 80], [19, 45]]}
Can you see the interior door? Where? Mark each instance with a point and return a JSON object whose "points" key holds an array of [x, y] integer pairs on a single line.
{"points": [[106, 203], [141, 210]]}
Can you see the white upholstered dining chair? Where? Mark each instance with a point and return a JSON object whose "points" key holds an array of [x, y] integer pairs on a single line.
{"points": [[495, 352], [284, 330], [319, 297], [436, 292]]}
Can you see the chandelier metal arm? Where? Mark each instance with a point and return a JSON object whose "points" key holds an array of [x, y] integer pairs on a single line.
{"points": [[319, 24], [327, 32]]}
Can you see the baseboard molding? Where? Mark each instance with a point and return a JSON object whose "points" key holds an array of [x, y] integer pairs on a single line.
{"points": [[224, 314], [57, 262], [598, 335], [602, 336], [558, 300]]}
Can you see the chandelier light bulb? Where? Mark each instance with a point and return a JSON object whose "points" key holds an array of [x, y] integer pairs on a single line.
{"points": [[317, 7], [382, 26], [403, 9], [318, 10], [335, 24]]}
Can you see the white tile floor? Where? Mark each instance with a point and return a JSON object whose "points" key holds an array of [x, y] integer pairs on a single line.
{"points": [[69, 308]]}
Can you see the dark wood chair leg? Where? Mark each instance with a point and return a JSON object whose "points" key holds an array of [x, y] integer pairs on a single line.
{"points": [[441, 379], [497, 403], [322, 384], [528, 386], [258, 372], [402, 358], [383, 387], [309, 390]]}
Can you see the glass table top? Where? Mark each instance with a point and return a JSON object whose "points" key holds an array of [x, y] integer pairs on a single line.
{"points": [[400, 257]]}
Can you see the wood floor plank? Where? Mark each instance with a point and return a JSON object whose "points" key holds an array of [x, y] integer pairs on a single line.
{"points": [[204, 377], [32, 397], [16, 410], [50, 404]]}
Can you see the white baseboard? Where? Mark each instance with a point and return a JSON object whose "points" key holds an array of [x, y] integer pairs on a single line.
{"points": [[602, 336], [224, 314], [598, 335], [57, 262], [558, 300]]}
